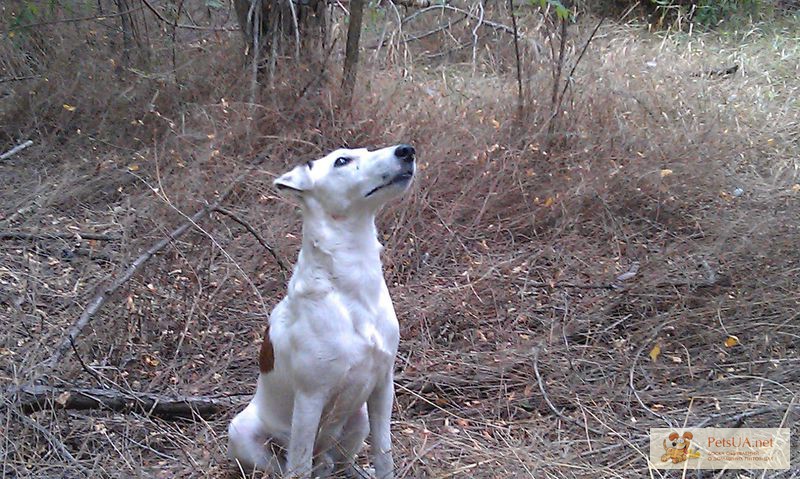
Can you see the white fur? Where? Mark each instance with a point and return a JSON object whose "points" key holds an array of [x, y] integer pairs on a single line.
{"points": [[335, 334]]}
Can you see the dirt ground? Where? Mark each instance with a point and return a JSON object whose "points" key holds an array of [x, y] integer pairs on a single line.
{"points": [[560, 290]]}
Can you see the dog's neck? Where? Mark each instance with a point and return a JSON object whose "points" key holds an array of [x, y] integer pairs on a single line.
{"points": [[339, 250]]}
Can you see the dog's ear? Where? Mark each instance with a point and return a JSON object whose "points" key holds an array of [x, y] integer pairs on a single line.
{"points": [[295, 181]]}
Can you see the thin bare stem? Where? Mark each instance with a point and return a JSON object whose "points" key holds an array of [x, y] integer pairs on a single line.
{"points": [[520, 98]]}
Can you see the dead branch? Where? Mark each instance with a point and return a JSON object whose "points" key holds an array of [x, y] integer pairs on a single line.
{"points": [[36, 398], [20, 235], [414, 38], [15, 150], [70, 20], [428, 7], [102, 296], [284, 269], [723, 72], [85, 367], [23, 78], [475, 36], [466, 13], [413, 3], [89, 253], [617, 286], [536, 284], [175, 24], [722, 418]]}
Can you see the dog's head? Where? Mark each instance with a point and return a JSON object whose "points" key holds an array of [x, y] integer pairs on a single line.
{"points": [[351, 180]]}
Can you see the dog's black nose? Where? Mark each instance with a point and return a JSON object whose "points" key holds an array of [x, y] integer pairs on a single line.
{"points": [[405, 153]]}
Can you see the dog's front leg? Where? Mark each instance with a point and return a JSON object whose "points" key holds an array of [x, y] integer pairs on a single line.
{"points": [[305, 423], [379, 409]]}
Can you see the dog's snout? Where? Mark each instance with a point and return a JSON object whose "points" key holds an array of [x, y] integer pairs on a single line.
{"points": [[405, 153]]}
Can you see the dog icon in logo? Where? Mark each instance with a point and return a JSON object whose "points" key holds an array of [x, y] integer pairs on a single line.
{"points": [[678, 449]]}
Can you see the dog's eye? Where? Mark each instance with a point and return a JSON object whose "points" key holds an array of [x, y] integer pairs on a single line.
{"points": [[341, 161]]}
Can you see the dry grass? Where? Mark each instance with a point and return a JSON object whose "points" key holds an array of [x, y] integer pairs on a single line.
{"points": [[518, 357]]}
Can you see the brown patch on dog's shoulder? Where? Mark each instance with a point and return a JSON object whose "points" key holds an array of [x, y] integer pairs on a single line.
{"points": [[266, 358]]}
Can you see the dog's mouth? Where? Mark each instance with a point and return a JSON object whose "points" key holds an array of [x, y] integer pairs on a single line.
{"points": [[402, 178]]}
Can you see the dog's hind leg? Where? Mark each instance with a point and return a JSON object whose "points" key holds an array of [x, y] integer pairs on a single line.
{"points": [[350, 441], [247, 443]]}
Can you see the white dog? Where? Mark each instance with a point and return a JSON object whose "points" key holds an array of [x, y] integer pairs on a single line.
{"points": [[327, 361]]}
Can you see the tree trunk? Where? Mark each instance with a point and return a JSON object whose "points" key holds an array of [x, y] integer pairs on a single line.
{"points": [[351, 52], [127, 30], [297, 27]]}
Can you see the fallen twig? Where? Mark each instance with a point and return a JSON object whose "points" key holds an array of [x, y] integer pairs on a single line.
{"points": [[617, 286], [718, 419], [284, 268], [36, 398], [723, 72], [46, 236], [102, 296], [572, 285], [85, 367], [15, 150]]}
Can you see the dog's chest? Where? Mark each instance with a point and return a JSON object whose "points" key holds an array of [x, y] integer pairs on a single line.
{"points": [[368, 332], [375, 338], [353, 351], [338, 339]]}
